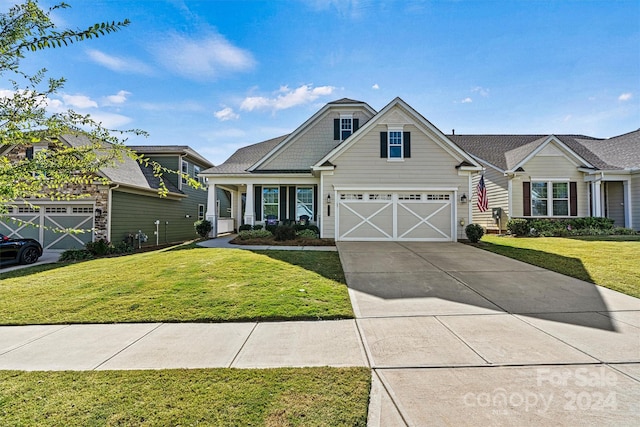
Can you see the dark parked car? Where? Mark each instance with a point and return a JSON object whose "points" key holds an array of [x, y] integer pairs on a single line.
{"points": [[19, 251]]}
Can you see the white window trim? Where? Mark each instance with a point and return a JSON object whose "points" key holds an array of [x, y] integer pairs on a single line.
{"points": [[202, 211], [277, 203], [346, 117], [184, 163], [313, 205], [549, 183], [399, 129]]}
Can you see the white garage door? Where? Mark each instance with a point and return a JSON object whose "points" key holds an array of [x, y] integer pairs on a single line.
{"points": [[395, 216]]}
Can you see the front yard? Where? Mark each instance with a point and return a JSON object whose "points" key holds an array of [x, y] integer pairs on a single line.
{"points": [[212, 397], [611, 262], [186, 284]]}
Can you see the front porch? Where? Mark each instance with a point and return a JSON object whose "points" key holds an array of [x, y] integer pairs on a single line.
{"points": [[275, 200]]}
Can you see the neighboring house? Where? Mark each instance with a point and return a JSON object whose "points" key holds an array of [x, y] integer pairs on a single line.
{"points": [[128, 206], [557, 176], [357, 173]]}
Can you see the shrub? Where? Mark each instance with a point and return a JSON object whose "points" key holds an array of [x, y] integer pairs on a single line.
{"points": [[244, 227], [300, 227], [122, 248], [98, 248], [624, 231], [518, 227], [258, 227], [254, 234], [474, 232], [203, 227], [284, 233], [75, 255], [271, 228], [307, 234]]}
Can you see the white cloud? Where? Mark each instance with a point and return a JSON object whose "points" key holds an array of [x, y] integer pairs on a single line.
{"points": [[110, 120], [226, 114], [375, 86], [120, 64], [625, 96], [467, 100], [118, 98], [481, 91], [287, 98], [208, 57], [79, 101]]}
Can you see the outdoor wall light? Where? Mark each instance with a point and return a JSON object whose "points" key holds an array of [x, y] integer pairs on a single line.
{"points": [[328, 199], [98, 213], [463, 198], [187, 216], [462, 222]]}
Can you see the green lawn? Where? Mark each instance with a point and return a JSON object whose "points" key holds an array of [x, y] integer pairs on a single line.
{"points": [[612, 262], [212, 397], [188, 284]]}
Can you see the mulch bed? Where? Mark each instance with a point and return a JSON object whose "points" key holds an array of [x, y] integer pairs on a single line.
{"points": [[272, 242]]}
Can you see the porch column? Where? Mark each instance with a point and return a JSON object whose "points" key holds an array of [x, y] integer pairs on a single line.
{"points": [[249, 209], [626, 190], [212, 210], [596, 198]]}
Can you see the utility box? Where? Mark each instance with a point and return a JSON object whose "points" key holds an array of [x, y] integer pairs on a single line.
{"points": [[496, 213]]}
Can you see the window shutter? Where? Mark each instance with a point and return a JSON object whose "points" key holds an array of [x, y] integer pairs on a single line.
{"points": [[292, 203], [336, 129], [315, 203], [406, 140], [283, 202], [29, 153], [356, 125], [383, 145], [257, 202], [573, 198], [526, 198]]}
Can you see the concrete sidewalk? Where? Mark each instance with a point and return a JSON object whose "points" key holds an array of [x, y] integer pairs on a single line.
{"points": [[181, 345]]}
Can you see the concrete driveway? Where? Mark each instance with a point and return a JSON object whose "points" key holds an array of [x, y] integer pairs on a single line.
{"points": [[460, 336]]}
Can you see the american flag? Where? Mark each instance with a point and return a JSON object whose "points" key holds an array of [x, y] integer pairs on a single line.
{"points": [[483, 201]]}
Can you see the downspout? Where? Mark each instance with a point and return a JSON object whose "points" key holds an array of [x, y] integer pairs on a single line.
{"points": [[109, 204]]}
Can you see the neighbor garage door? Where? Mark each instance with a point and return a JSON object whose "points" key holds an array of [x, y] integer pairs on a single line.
{"points": [[57, 226], [395, 216]]}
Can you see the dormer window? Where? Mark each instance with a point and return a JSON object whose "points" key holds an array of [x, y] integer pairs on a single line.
{"points": [[344, 127]]}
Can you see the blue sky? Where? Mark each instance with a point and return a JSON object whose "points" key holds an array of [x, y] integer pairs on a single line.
{"points": [[218, 75]]}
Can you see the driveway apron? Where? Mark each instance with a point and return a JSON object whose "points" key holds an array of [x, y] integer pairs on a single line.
{"points": [[459, 336]]}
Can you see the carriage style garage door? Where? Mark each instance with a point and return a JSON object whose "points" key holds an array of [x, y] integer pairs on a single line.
{"points": [[55, 222], [395, 216]]}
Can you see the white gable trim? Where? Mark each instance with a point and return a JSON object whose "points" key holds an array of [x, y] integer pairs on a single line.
{"points": [[577, 160], [303, 128], [440, 139]]}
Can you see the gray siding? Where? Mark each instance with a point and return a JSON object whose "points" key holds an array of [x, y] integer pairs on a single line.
{"points": [[313, 144]]}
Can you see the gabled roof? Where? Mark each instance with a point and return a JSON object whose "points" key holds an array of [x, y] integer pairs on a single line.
{"points": [[245, 157], [619, 152], [441, 138], [508, 152], [306, 158], [180, 150]]}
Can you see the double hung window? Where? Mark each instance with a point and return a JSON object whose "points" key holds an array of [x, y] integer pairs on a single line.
{"points": [[270, 202]]}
